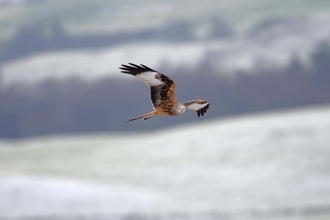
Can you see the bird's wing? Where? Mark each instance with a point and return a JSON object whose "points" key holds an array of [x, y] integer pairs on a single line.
{"points": [[161, 86], [200, 106]]}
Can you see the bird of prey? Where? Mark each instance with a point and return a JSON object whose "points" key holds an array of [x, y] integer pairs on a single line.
{"points": [[162, 93]]}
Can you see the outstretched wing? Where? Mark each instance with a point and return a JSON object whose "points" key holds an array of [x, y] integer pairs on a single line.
{"points": [[200, 106], [161, 86]]}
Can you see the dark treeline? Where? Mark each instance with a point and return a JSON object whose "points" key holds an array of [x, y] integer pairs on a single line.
{"points": [[78, 106]]}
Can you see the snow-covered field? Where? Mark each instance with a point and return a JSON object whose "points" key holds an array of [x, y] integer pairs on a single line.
{"points": [[97, 63], [275, 46], [270, 166], [266, 33]]}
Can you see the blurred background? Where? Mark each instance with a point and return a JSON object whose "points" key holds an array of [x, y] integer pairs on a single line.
{"points": [[260, 152]]}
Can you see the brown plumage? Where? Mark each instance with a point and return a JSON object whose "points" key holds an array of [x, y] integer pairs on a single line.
{"points": [[162, 93]]}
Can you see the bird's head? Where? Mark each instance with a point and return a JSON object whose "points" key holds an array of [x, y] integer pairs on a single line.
{"points": [[180, 108]]}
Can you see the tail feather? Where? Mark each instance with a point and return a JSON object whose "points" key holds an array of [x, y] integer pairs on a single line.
{"points": [[145, 116]]}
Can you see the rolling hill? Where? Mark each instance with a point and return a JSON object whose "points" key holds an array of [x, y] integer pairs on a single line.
{"points": [[269, 166]]}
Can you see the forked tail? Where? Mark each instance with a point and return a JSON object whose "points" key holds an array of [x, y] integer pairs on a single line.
{"points": [[145, 116]]}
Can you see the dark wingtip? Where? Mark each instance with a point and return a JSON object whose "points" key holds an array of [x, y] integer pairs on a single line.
{"points": [[202, 111], [135, 65], [134, 69]]}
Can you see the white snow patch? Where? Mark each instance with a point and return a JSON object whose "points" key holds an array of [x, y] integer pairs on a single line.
{"points": [[37, 196], [270, 47], [265, 163], [94, 64]]}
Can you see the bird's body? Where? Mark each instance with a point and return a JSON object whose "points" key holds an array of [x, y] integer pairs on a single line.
{"points": [[162, 93]]}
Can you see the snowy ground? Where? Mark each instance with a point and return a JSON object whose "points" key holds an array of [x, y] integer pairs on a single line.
{"points": [[270, 166], [266, 33], [274, 46]]}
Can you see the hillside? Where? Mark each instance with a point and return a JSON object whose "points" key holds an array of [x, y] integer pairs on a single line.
{"points": [[76, 105], [59, 60], [90, 39], [269, 166]]}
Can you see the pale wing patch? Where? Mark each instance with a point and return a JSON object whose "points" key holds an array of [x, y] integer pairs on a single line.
{"points": [[146, 74], [151, 78], [199, 106], [196, 106]]}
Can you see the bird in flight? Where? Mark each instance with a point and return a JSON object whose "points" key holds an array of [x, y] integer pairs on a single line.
{"points": [[162, 93]]}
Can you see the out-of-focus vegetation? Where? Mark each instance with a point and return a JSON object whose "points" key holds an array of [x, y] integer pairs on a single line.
{"points": [[103, 105]]}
